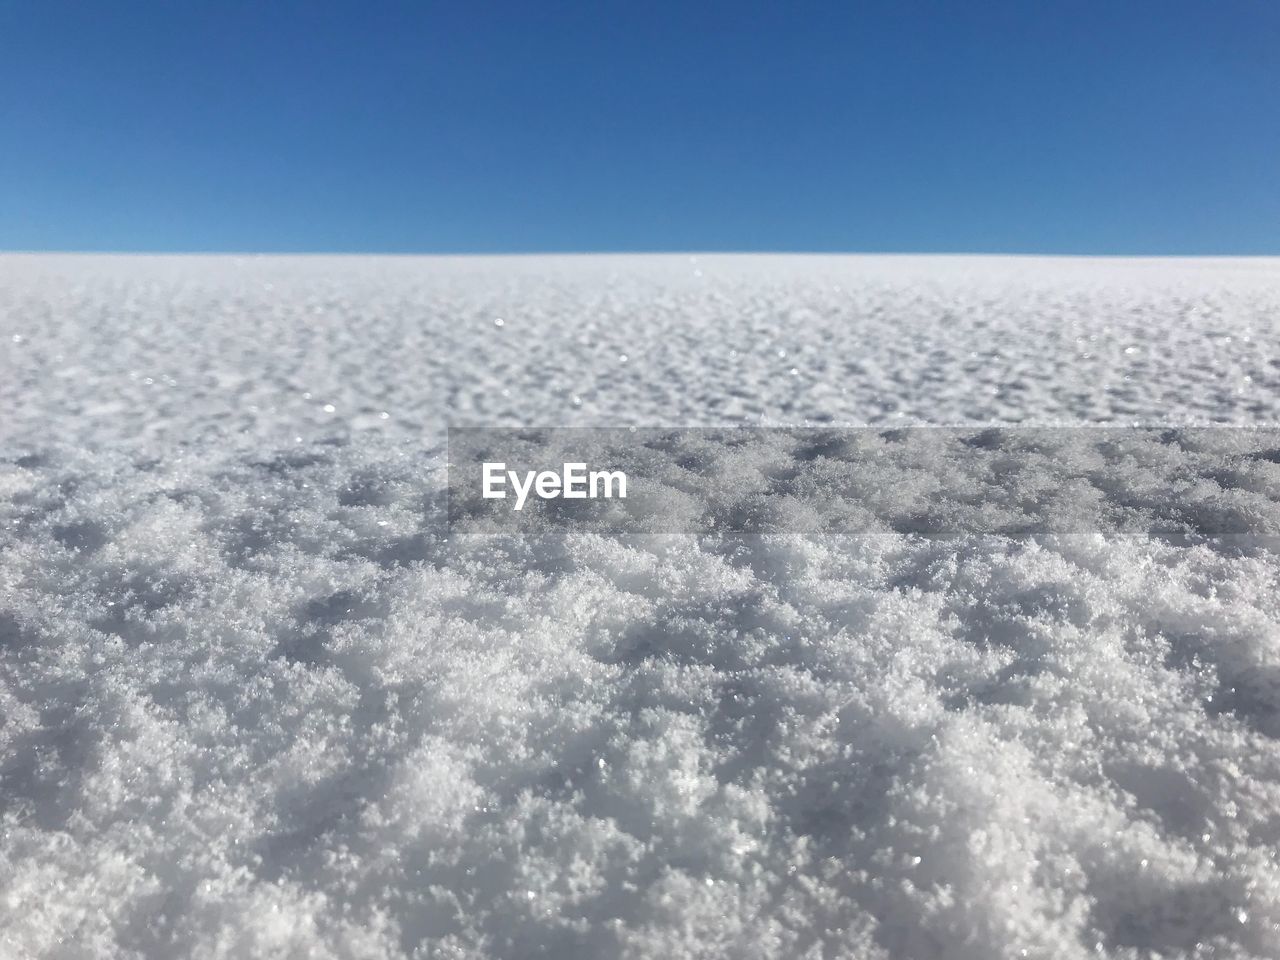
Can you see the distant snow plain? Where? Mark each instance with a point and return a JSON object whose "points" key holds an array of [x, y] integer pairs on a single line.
{"points": [[255, 701]]}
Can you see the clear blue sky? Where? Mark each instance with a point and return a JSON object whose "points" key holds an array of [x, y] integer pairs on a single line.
{"points": [[1127, 126]]}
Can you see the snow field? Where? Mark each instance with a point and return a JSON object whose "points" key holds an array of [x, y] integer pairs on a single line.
{"points": [[257, 701]]}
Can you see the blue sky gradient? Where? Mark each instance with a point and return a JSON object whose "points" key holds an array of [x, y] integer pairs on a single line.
{"points": [[1022, 127]]}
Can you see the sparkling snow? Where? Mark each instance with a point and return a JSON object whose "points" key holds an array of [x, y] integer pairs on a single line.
{"points": [[255, 701]]}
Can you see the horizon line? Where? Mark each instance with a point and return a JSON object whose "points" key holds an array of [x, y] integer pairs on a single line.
{"points": [[652, 252]]}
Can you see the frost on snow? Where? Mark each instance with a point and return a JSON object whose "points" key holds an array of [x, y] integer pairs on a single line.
{"points": [[255, 700]]}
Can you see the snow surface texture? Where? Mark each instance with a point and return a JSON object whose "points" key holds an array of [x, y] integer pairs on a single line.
{"points": [[256, 702]]}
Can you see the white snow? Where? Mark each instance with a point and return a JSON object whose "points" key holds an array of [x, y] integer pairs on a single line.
{"points": [[255, 701]]}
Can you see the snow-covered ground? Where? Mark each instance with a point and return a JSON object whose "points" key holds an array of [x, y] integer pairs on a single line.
{"points": [[255, 701]]}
